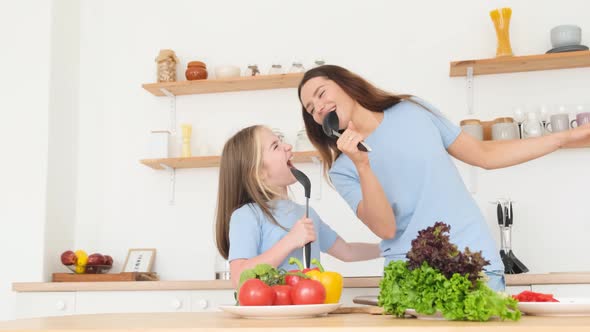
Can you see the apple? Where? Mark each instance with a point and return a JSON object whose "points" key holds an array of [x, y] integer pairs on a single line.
{"points": [[68, 258], [96, 259], [108, 260], [91, 269]]}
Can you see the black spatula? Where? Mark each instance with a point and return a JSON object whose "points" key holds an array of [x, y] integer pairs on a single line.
{"points": [[304, 180], [331, 128]]}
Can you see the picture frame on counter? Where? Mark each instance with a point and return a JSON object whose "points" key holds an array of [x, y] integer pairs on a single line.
{"points": [[139, 260]]}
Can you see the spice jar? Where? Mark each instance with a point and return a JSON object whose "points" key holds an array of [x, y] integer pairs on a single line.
{"points": [[297, 67], [318, 62], [275, 69], [302, 143], [196, 70], [279, 134], [166, 66], [252, 70]]}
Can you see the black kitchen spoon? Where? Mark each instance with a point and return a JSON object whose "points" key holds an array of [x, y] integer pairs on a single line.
{"points": [[304, 180], [331, 127]]}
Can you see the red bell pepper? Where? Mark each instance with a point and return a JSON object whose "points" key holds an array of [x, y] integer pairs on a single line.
{"points": [[294, 276]]}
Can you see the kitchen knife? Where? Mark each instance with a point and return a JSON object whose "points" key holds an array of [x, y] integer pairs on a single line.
{"points": [[500, 214], [510, 218], [507, 217]]}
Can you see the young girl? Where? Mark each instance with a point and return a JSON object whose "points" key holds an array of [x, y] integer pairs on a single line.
{"points": [[256, 222]]}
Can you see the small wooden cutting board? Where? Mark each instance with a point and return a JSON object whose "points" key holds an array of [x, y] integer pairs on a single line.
{"points": [[124, 276], [372, 310]]}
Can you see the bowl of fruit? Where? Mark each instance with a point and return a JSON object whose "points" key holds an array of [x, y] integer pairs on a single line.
{"points": [[80, 262]]}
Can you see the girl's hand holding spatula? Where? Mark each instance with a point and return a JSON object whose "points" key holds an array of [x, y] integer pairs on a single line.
{"points": [[302, 233]]}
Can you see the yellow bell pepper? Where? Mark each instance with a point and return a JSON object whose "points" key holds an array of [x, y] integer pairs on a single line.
{"points": [[332, 281]]}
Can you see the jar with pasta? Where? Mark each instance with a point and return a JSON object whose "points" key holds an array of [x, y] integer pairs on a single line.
{"points": [[166, 66]]}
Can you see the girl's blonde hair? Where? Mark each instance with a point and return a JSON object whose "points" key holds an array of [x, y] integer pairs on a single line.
{"points": [[240, 182]]}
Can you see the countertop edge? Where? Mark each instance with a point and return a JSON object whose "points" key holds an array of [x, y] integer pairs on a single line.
{"points": [[350, 282]]}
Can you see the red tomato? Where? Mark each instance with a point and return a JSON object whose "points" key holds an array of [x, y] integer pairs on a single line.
{"points": [[308, 291], [282, 295], [528, 296], [256, 292]]}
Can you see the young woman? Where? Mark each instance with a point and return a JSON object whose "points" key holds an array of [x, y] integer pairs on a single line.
{"points": [[256, 222], [409, 181]]}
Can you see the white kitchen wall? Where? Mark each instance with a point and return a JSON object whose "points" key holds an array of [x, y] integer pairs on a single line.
{"points": [[63, 127], [24, 99], [400, 46]]}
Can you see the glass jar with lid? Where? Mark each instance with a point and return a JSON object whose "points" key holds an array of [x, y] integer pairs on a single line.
{"points": [[318, 62], [303, 143], [275, 69], [166, 66], [297, 67], [279, 133]]}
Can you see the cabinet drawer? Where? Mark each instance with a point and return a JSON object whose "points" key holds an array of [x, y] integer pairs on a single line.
{"points": [[45, 304], [132, 301], [210, 300]]}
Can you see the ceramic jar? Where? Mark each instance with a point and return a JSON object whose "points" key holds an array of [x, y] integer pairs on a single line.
{"points": [[196, 70]]}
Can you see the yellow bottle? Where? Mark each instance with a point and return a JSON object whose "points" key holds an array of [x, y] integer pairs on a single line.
{"points": [[186, 139]]}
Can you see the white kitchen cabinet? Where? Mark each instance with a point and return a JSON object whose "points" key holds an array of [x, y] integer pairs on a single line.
{"points": [[579, 290], [210, 300], [45, 304], [132, 301]]}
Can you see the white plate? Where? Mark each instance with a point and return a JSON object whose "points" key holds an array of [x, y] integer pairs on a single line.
{"points": [[565, 307], [281, 311]]}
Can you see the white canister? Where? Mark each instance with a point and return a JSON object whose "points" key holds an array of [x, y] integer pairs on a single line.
{"points": [[159, 144]]}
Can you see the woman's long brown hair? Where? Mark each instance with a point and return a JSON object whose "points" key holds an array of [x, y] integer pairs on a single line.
{"points": [[240, 182], [359, 89]]}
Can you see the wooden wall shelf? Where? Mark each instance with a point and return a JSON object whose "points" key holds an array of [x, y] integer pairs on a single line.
{"points": [[244, 83], [213, 161], [515, 64]]}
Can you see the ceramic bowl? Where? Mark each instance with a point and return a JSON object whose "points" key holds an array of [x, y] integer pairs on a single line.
{"points": [[566, 35], [227, 71]]}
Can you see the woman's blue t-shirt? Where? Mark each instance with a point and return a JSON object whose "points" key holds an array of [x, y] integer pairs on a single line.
{"points": [[420, 181]]}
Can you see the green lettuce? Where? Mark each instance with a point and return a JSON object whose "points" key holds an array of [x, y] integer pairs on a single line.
{"points": [[427, 291], [439, 277]]}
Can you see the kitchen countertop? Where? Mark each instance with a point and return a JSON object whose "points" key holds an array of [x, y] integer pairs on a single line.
{"points": [[157, 322], [356, 282]]}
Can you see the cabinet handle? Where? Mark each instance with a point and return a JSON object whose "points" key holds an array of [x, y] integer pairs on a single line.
{"points": [[60, 305], [203, 304], [176, 304]]}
